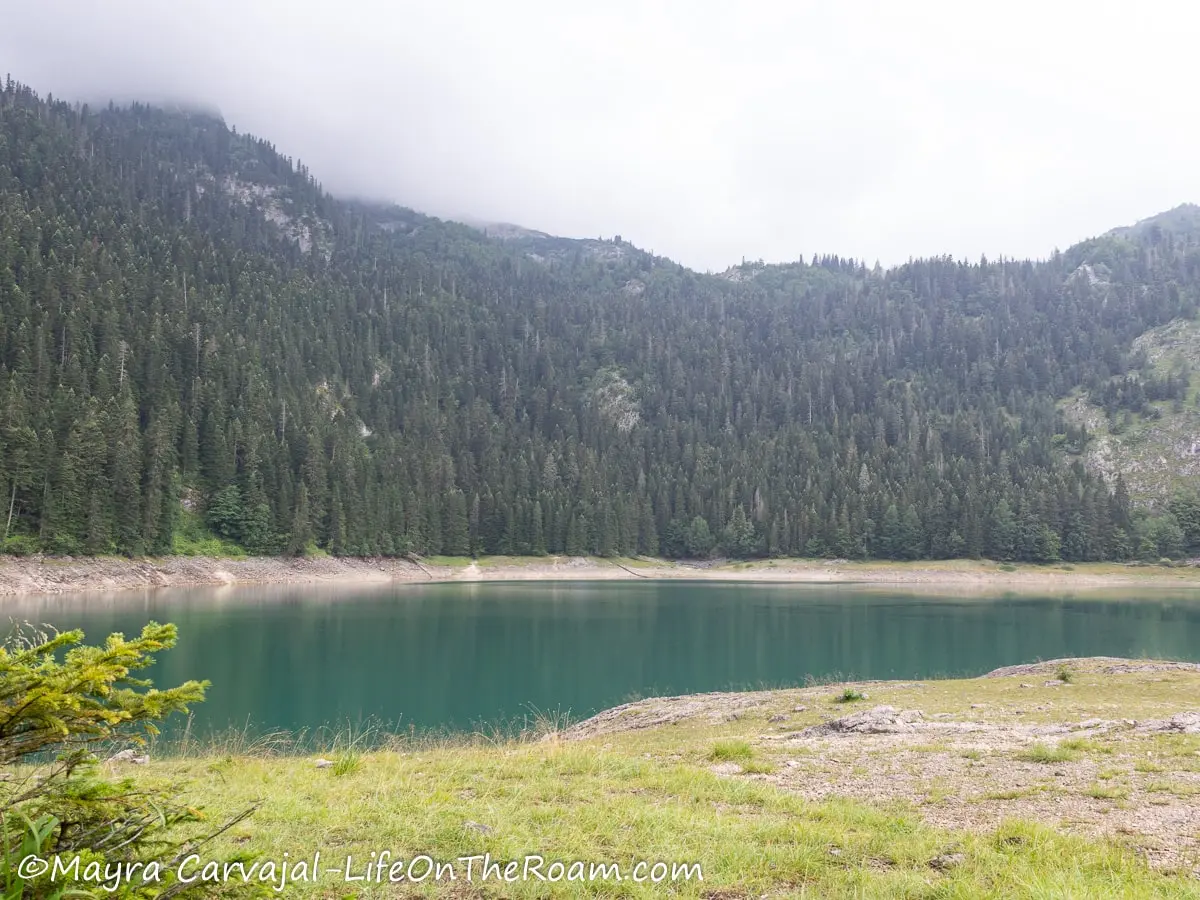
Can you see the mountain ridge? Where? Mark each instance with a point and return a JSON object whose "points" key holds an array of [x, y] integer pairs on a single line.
{"points": [[201, 348], [1181, 219]]}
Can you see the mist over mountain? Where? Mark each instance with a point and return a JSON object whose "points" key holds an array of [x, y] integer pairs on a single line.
{"points": [[201, 348]]}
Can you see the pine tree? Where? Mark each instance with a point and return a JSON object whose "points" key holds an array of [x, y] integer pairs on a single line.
{"points": [[699, 539], [225, 514], [911, 535], [1002, 532], [738, 540], [538, 539], [456, 538], [301, 534], [647, 543], [125, 469], [576, 536], [892, 539]]}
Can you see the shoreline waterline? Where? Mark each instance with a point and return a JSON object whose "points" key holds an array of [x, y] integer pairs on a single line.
{"points": [[24, 576]]}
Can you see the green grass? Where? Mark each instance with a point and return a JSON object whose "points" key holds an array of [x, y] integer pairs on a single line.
{"points": [[486, 561], [651, 793], [347, 763], [1104, 792], [731, 751], [850, 695], [1010, 794], [639, 562], [1178, 789], [1084, 745], [583, 802], [758, 767], [449, 562]]}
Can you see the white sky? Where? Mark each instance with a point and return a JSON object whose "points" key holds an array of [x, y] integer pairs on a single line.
{"points": [[704, 131]]}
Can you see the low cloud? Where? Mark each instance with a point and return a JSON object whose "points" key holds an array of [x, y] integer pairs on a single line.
{"points": [[704, 131]]}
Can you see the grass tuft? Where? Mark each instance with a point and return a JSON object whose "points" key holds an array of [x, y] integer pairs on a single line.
{"points": [[731, 751], [1105, 792], [1083, 745], [1043, 753], [347, 763], [757, 767]]}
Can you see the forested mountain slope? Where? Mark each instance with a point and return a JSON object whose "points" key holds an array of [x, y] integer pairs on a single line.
{"points": [[194, 335]]}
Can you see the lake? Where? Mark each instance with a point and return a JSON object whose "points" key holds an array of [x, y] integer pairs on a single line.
{"points": [[460, 655]]}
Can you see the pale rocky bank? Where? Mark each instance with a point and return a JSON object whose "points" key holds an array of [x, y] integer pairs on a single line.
{"points": [[45, 574]]}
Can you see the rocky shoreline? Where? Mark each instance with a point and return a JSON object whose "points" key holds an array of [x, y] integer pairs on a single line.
{"points": [[53, 575]]}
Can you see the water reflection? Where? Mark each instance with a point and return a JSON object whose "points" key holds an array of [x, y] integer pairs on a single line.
{"points": [[459, 654]]}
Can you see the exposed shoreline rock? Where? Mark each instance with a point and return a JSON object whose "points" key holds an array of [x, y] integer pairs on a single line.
{"points": [[1108, 665], [54, 575]]}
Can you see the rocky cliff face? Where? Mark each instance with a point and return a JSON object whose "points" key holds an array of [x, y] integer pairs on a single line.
{"points": [[1156, 451]]}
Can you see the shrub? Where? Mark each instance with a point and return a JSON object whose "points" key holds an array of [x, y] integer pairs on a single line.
{"points": [[192, 538], [20, 545], [53, 715]]}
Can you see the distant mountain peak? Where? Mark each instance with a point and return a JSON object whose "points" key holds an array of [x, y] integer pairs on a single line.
{"points": [[505, 231], [1182, 219]]}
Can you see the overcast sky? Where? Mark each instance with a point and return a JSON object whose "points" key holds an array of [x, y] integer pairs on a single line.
{"points": [[705, 131]]}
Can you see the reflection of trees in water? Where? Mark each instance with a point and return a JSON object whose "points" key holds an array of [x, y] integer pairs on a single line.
{"points": [[304, 656]]}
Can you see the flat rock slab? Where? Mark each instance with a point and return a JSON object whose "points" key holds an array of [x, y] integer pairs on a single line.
{"points": [[713, 708], [1108, 665], [885, 720], [1180, 723]]}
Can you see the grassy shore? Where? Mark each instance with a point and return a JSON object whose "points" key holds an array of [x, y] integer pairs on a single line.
{"points": [[1064, 781], [30, 575]]}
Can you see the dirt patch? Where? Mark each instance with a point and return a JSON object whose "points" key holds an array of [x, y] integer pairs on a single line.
{"points": [[977, 784], [1088, 777]]}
